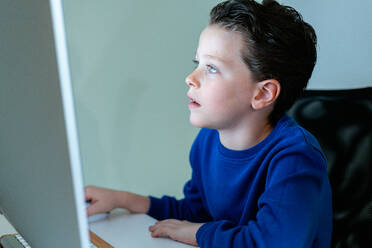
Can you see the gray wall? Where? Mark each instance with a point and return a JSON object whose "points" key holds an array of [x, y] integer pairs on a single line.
{"points": [[344, 30], [129, 59]]}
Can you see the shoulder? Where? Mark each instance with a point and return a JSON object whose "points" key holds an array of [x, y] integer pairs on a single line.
{"points": [[295, 151], [292, 137]]}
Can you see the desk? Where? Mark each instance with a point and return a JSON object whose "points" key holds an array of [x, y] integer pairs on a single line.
{"points": [[121, 230]]}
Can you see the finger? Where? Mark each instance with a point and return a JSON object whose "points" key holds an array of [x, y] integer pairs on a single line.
{"points": [[88, 198], [171, 221], [87, 191], [167, 222], [93, 209], [160, 231], [157, 230], [158, 223], [155, 226]]}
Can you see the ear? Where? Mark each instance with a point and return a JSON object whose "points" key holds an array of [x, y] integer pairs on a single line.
{"points": [[266, 93]]}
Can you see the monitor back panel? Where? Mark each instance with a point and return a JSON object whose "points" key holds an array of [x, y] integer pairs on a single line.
{"points": [[37, 191]]}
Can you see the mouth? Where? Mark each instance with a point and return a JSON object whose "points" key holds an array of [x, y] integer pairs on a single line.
{"points": [[193, 103]]}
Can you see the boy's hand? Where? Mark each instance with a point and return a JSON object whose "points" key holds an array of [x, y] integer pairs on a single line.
{"points": [[102, 200], [182, 231]]}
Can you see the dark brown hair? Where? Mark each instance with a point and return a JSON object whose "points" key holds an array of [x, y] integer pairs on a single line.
{"points": [[278, 45]]}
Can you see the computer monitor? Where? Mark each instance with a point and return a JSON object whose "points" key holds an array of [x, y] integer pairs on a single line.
{"points": [[41, 189]]}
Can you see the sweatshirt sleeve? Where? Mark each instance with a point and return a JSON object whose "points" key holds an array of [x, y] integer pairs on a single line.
{"points": [[288, 215], [190, 208]]}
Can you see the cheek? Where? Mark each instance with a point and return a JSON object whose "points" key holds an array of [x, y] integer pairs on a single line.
{"points": [[244, 92], [230, 100], [221, 99]]}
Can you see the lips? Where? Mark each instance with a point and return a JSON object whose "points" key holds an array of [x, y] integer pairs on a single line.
{"points": [[193, 103]]}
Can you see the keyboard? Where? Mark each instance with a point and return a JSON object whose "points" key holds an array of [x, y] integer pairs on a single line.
{"points": [[22, 241]]}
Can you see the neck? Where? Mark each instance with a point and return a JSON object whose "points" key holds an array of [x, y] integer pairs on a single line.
{"points": [[245, 136]]}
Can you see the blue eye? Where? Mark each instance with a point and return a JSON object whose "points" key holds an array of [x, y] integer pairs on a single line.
{"points": [[211, 69]]}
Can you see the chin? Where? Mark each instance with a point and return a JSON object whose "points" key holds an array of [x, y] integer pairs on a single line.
{"points": [[198, 123]]}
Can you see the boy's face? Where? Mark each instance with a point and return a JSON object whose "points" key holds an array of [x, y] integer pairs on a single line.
{"points": [[221, 86]]}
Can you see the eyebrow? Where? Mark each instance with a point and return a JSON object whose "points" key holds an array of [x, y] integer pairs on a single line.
{"points": [[215, 58]]}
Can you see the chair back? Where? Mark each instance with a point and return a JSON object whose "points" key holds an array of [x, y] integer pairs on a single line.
{"points": [[341, 120]]}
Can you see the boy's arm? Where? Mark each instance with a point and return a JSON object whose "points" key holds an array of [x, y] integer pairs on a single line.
{"points": [[104, 200], [190, 208], [288, 215], [135, 203]]}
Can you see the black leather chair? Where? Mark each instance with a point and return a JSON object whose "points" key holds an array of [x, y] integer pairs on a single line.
{"points": [[341, 120]]}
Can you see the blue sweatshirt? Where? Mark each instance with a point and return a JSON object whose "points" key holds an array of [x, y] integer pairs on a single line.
{"points": [[275, 194]]}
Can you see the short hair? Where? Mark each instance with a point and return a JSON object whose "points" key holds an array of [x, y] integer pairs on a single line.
{"points": [[278, 45]]}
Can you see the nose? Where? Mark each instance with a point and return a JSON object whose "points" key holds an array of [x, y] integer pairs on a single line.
{"points": [[192, 81]]}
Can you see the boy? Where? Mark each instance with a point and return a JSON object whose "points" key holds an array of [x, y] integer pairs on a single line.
{"points": [[258, 179]]}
